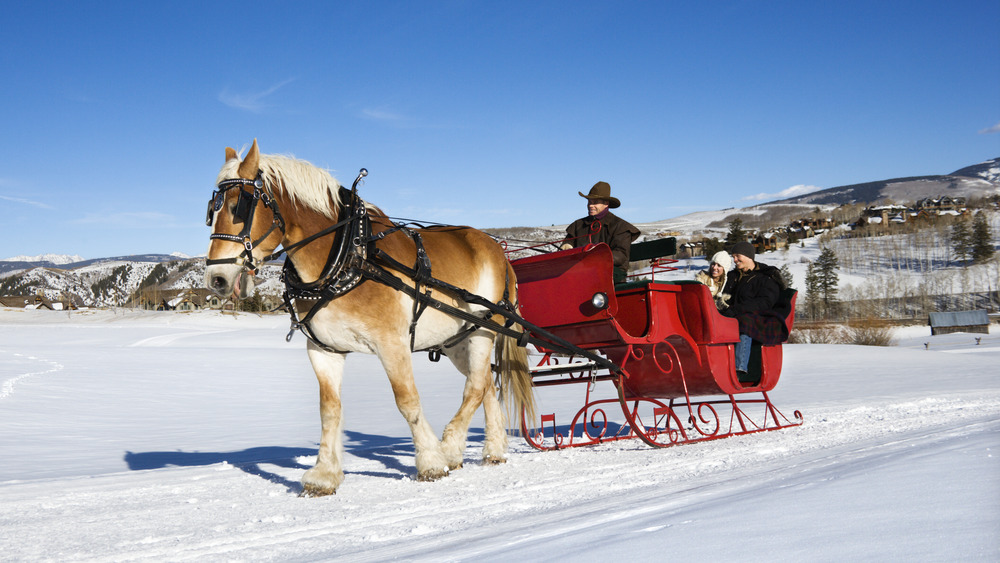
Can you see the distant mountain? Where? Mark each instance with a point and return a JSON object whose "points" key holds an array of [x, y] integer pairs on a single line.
{"points": [[49, 258], [980, 180], [989, 171], [72, 262]]}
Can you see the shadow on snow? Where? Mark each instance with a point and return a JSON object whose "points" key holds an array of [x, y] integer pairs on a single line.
{"points": [[389, 451]]}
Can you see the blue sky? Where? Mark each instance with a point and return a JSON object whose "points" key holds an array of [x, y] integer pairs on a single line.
{"points": [[116, 115]]}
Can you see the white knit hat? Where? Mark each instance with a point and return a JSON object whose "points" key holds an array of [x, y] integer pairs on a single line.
{"points": [[723, 259]]}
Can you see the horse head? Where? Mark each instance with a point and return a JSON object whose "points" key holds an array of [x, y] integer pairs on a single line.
{"points": [[246, 225]]}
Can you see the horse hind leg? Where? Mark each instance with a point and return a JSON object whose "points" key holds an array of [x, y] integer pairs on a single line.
{"points": [[430, 461], [472, 358], [495, 443], [326, 476], [516, 388]]}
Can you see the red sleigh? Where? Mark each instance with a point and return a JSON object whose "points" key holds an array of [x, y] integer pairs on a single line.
{"points": [[673, 378]]}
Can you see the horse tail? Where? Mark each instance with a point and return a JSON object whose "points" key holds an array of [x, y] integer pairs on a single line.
{"points": [[513, 373], [514, 381]]}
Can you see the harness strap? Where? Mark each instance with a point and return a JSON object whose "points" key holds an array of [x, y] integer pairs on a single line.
{"points": [[348, 265], [377, 273]]}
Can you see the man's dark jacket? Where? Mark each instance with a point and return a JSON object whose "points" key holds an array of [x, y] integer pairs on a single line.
{"points": [[610, 229], [757, 304]]}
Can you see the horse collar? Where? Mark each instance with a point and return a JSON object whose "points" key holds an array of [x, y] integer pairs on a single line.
{"points": [[347, 252], [343, 269]]}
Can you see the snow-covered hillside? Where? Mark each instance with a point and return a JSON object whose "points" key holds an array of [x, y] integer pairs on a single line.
{"points": [[922, 260]]}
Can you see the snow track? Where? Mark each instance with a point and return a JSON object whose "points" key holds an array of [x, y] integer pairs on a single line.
{"points": [[28, 366]]}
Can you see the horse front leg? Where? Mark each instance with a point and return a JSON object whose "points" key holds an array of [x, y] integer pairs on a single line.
{"points": [[431, 463], [328, 473]]}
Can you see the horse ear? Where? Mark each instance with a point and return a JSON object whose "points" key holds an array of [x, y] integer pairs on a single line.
{"points": [[248, 168], [230, 154]]}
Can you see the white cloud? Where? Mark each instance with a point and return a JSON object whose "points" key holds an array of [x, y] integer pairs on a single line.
{"points": [[381, 115], [253, 101], [793, 191], [26, 202], [994, 129]]}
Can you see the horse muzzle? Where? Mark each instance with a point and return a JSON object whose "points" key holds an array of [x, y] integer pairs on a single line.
{"points": [[229, 280]]}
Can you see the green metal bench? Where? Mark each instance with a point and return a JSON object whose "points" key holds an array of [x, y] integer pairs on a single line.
{"points": [[653, 249], [657, 252]]}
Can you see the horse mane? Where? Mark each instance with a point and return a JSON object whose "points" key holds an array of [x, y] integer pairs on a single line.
{"points": [[301, 181]]}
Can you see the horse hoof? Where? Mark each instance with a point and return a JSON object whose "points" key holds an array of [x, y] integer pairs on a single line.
{"points": [[493, 460], [432, 475], [312, 491]]}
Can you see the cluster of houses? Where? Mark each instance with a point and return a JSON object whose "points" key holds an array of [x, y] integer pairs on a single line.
{"points": [[193, 299], [37, 302], [927, 211], [924, 212]]}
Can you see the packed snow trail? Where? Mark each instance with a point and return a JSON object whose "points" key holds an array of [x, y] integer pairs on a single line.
{"points": [[193, 448], [747, 488]]}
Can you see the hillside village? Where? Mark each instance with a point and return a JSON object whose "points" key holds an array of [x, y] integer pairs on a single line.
{"points": [[873, 220]]}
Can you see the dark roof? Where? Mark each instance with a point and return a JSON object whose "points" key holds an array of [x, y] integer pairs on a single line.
{"points": [[959, 318], [16, 300]]}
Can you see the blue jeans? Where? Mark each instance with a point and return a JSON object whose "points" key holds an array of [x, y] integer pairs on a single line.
{"points": [[743, 352]]}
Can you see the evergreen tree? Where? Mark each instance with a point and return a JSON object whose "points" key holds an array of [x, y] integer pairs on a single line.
{"points": [[961, 239], [736, 232], [252, 304], [711, 246], [826, 272], [981, 239]]}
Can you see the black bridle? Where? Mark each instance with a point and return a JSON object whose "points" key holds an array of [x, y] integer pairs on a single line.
{"points": [[246, 210]]}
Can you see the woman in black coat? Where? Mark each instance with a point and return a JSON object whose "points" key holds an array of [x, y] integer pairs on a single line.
{"points": [[756, 303]]}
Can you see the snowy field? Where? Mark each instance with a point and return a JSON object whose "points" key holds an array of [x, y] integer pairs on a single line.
{"points": [[128, 436]]}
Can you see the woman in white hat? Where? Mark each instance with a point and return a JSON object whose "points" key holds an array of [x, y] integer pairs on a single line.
{"points": [[715, 277]]}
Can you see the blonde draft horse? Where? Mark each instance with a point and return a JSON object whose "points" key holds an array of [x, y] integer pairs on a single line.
{"points": [[373, 318]]}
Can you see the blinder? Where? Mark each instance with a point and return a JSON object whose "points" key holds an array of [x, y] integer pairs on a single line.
{"points": [[243, 207], [214, 205]]}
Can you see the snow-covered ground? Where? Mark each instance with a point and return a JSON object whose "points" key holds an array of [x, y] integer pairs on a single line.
{"points": [[171, 437]]}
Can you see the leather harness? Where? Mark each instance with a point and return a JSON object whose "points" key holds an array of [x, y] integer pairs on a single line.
{"points": [[355, 258]]}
